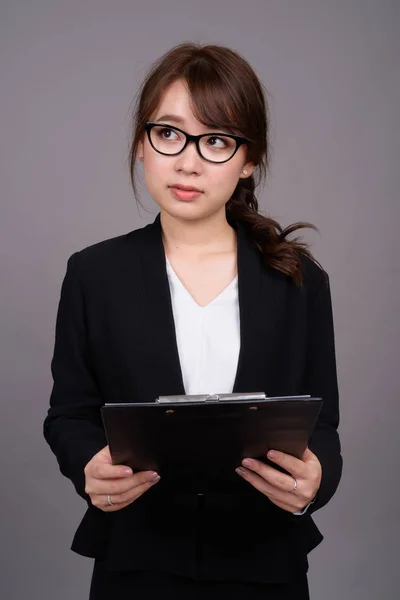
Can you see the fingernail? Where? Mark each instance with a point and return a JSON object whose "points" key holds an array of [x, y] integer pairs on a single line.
{"points": [[240, 471], [128, 471], [154, 476], [271, 454], [247, 462], [156, 479]]}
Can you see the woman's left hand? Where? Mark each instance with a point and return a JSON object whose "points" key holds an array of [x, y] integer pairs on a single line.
{"points": [[279, 487]]}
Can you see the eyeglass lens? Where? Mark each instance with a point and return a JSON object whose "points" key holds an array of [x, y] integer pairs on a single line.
{"points": [[170, 141]]}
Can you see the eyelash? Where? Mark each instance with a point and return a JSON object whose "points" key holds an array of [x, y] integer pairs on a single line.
{"points": [[161, 131]]}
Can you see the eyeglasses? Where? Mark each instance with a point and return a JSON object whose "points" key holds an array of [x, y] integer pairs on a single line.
{"points": [[213, 147]]}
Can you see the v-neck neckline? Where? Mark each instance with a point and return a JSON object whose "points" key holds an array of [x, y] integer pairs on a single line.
{"points": [[199, 306], [261, 293]]}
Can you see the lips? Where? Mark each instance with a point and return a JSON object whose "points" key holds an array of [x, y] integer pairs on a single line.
{"points": [[185, 195], [185, 188]]}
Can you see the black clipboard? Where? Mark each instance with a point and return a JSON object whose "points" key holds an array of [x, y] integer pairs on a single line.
{"points": [[197, 441]]}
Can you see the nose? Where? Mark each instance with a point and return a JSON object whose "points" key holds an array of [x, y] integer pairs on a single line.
{"points": [[189, 160]]}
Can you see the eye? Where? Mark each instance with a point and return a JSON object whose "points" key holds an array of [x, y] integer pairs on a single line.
{"points": [[167, 133], [217, 142]]}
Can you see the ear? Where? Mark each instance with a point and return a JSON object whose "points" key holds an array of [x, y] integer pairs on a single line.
{"points": [[140, 151], [249, 167]]}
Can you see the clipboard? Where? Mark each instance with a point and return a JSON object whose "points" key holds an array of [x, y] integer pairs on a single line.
{"points": [[196, 441]]}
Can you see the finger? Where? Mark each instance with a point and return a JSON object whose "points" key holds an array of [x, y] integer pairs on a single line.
{"points": [[104, 455], [261, 484], [133, 493], [108, 508], [309, 456], [102, 503], [102, 470], [277, 496], [293, 465], [271, 475], [118, 486]]}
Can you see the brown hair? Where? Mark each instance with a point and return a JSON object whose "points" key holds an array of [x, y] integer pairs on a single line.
{"points": [[226, 93]]}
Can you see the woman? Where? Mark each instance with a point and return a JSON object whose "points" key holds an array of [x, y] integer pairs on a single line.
{"points": [[210, 297]]}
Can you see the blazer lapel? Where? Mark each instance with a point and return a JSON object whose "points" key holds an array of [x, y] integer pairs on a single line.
{"points": [[260, 307], [259, 301]]}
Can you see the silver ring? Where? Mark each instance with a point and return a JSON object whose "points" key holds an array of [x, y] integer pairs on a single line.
{"points": [[109, 500], [294, 485]]}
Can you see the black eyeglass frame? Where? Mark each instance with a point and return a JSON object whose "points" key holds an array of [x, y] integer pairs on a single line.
{"points": [[196, 139]]}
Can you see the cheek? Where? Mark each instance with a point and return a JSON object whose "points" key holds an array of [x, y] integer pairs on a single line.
{"points": [[226, 181], [155, 171]]}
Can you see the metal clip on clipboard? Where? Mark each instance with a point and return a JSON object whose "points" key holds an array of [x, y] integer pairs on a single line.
{"points": [[238, 397], [211, 397]]}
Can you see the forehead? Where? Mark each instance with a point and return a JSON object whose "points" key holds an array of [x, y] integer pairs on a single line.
{"points": [[175, 108], [175, 99]]}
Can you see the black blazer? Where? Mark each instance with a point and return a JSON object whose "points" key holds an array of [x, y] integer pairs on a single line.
{"points": [[115, 342]]}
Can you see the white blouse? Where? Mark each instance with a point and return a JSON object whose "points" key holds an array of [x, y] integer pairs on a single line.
{"points": [[208, 337]]}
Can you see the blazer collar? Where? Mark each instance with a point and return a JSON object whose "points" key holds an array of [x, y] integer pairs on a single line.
{"points": [[253, 308]]}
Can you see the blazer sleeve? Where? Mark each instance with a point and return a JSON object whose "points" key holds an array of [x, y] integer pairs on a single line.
{"points": [[73, 427], [321, 380]]}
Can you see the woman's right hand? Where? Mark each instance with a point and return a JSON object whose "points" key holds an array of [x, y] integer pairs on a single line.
{"points": [[103, 479]]}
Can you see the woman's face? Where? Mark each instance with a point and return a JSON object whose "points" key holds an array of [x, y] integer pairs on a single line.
{"points": [[216, 181]]}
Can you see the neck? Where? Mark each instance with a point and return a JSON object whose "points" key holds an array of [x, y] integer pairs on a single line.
{"points": [[197, 237]]}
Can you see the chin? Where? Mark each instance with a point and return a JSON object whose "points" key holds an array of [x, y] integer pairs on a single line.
{"points": [[188, 213]]}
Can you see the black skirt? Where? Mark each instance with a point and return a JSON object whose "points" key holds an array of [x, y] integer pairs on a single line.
{"points": [[152, 585]]}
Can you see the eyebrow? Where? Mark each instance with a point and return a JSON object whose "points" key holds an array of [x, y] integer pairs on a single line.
{"points": [[177, 119], [171, 118]]}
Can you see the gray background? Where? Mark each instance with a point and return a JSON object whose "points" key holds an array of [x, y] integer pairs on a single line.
{"points": [[69, 71]]}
